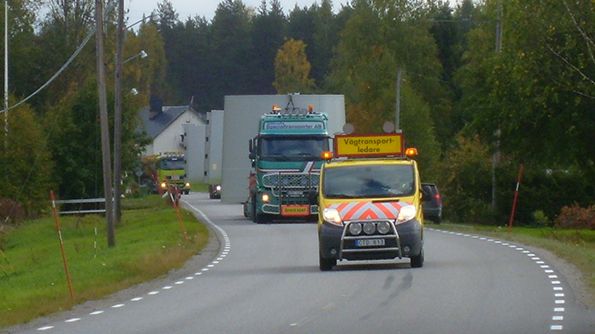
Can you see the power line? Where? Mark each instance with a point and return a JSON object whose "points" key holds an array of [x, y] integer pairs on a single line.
{"points": [[63, 68]]}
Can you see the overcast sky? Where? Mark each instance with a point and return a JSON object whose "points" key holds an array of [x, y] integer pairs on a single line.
{"points": [[205, 8]]}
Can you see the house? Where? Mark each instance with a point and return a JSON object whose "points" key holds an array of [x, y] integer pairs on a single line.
{"points": [[166, 127]]}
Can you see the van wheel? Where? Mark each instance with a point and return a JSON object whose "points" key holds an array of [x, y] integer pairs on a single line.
{"points": [[418, 260], [326, 264]]}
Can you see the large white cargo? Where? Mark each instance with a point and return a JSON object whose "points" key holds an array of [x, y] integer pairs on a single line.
{"points": [[240, 124], [214, 147]]}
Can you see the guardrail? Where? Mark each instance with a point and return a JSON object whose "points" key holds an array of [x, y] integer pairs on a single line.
{"points": [[82, 206]]}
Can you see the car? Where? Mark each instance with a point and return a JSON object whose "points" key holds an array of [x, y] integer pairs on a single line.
{"points": [[432, 202], [214, 191]]}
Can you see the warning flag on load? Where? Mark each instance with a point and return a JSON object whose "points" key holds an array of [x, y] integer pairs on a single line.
{"points": [[368, 145]]}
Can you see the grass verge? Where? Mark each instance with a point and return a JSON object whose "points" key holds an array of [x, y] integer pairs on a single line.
{"points": [[576, 247], [149, 243]]}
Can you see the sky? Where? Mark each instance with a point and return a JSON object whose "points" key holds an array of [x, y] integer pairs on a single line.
{"points": [[206, 8]]}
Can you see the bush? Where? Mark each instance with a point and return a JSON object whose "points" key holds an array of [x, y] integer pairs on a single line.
{"points": [[540, 219], [11, 211], [575, 216]]}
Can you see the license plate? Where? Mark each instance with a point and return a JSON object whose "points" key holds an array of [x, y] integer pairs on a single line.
{"points": [[295, 210], [369, 242]]}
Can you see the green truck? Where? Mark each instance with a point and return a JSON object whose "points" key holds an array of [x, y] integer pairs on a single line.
{"points": [[286, 160]]}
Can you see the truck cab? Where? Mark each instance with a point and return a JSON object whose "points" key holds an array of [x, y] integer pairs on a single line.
{"points": [[286, 161], [370, 202], [171, 170]]}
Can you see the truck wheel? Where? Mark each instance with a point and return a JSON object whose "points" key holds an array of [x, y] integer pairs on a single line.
{"points": [[253, 213], [418, 260], [261, 219], [326, 264]]}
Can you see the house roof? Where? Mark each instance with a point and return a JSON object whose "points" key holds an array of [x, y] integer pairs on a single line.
{"points": [[154, 124]]}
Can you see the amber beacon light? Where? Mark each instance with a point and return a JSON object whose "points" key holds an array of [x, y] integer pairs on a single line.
{"points": [[411, 152], [326, 155]]}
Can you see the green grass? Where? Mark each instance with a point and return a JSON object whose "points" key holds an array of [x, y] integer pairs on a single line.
{"points": [[574, 246], [149, 243]]}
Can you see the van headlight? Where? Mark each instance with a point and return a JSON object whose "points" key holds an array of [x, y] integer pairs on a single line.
{"points": [[332, 216], [406, 213]]}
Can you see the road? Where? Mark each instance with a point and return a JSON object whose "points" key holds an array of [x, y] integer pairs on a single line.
{"points": [[265, 279]]}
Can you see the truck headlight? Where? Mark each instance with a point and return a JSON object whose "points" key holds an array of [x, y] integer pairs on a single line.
{"points": [[332, 216], [265, 198], [187, 184], [218, 187], [163, 185], [406, 213]]}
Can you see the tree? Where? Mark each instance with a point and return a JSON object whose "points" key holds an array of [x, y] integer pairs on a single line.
{"points": [[23, 50], [149, 74], [292, 69], [231, 44], [268, 31], [25, 161]]}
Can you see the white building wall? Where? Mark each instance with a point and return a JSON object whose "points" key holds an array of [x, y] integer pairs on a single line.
{"points": [[169, 140]]}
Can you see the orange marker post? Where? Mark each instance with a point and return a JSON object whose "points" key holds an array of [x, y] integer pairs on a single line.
{"points": [[516, 196], [59, 231], [174, 201]]}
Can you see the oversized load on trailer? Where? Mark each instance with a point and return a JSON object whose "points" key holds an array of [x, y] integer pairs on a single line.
{"points": [[286, 157]]}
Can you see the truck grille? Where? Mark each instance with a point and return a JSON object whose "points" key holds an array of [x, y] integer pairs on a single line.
{"points": [[291, 180]]}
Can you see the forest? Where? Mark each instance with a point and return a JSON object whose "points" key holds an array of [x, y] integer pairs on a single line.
{"points": [[486, 86]]}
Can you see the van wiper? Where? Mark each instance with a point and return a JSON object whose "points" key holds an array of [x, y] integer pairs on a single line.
{"points": [[342, 196]]}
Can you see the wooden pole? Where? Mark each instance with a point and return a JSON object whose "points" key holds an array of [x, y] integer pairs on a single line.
{"points": [[105, 138], [118, 115]]}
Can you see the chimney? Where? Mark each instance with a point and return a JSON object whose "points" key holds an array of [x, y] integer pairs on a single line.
{"points": [[155, 106]]}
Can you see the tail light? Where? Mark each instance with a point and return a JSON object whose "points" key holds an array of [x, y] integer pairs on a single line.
{"points": [[438, 198]]}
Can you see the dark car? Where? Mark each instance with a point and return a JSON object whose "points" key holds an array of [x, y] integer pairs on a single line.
{"points": [[432, 202], [214, 191]]}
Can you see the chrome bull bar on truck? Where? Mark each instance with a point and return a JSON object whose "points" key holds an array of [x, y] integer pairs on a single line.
{"points": [[290, 188]]}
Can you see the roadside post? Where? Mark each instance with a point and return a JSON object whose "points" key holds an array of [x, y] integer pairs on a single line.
{"points": [[174, 201], [516, 196], [59, 231]]}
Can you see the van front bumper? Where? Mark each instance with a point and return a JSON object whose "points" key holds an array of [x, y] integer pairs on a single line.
{"points": [[334, 243]]}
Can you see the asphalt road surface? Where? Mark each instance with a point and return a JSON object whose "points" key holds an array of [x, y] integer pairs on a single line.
{"points": [[265, 279]]}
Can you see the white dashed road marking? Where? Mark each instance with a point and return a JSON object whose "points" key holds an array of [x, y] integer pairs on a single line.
{"points": [[557, 317]]}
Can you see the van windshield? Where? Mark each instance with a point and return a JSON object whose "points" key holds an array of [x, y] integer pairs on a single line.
{"points": [[368, 181]]}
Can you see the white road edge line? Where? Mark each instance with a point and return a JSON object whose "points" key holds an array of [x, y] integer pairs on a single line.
{"points": [[45, 328], [547, 270]]}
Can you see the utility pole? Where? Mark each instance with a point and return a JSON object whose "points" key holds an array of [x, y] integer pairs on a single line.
{"points": [[398, 108], [5, 75], [118, 115], [105, 138], [496, 154]]}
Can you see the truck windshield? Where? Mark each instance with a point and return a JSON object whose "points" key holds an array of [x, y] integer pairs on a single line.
{"points": [[292, 148], [368, 181], [171, 164]]}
